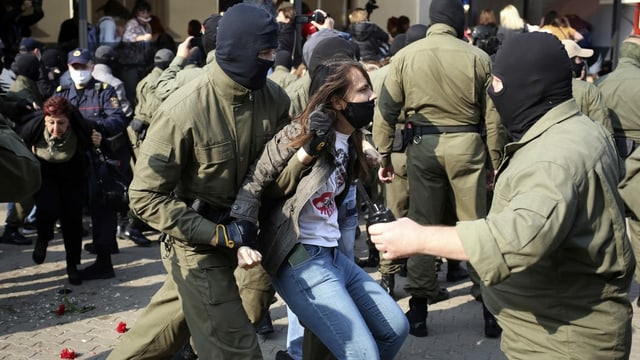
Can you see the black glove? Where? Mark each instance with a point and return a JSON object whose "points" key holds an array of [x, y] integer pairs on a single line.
{"points": [[235, 234], [319, 124]]}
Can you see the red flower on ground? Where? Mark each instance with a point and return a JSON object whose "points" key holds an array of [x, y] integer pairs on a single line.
{"points": [[122, 327], [67, 353], [61, 310]]}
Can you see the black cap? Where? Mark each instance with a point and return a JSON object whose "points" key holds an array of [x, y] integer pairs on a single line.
{"points": [[105, 54], [30, 44], [79, 56]]}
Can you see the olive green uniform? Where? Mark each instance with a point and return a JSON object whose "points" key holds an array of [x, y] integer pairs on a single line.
{"points": [[22, 89], [620, 89], [441, 81], [200, 145], [396, 193], [147, 104], [282, 76], [19, 168], [176, 76], [298, 92], [552, 253], [591, 103]]}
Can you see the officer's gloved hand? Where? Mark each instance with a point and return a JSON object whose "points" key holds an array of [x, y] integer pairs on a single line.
{"points": [[235, 234], [319, 125]]}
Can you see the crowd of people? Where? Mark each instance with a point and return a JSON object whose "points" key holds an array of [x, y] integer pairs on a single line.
{"points": [[248, 160]]}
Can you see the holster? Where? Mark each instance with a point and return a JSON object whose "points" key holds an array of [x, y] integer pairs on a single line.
{"points": [[407, 134]]}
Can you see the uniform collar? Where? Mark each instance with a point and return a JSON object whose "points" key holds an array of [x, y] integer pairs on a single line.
{"points": [[225, 86], [441, 29], [554, 116]]}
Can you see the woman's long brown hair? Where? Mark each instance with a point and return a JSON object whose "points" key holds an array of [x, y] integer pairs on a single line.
{"points": [[332, 79]]}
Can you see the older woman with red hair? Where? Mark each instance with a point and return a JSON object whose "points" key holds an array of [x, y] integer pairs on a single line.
{"points": [[59, 137]]}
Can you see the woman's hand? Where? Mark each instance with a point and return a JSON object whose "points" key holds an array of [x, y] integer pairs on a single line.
{"points": [[248, 257], [96, 138], [144, 37]]}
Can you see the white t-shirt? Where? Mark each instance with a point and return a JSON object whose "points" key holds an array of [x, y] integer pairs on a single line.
{"points": [[318, 220]]}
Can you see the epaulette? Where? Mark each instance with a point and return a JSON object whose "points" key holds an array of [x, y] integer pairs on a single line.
{"points": [[61, 88], [105, 86]]}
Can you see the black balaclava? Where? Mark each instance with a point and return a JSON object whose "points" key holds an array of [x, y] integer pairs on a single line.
{"points": [[415, 32], [448, 12], [243, 31], [330, 48], [398, 43], [26, 65], [53, 58], [210, 25], [536, 76], [283, 58]]}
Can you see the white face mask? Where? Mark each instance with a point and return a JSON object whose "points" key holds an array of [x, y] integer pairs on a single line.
{"points": [[144, 19], [80, 77]]}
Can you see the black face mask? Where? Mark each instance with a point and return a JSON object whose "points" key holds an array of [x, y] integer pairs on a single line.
{"points": [[359, 114]]}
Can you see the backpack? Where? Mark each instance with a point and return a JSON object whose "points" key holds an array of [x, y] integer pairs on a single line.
{"points": [[93, 37]]}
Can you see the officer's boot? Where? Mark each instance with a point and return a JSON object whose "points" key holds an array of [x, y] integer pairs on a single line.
{"points": [[455, 271], [388, 283], [417, 316], [40, 251], [491, 327], [101, 269]]}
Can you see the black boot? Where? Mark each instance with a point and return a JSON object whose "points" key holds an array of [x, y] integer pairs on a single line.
{"points": [[491, 327], [388, 283], [455, 272], [417, 316], [72, 274], [265, 326], [373, 259], [101, 269], [40, 251], [134, 234]]}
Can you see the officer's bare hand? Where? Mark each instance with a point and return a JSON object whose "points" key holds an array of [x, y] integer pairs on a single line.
{"points": [[184, 47], [248, 257], [96, 138], [386, 174], [398, 239], [328, 21]]}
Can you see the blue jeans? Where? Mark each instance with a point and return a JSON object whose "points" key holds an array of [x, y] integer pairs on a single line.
{"points": [[348, 222], [340, 303]]}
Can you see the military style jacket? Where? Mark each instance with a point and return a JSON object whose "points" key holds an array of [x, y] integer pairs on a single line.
{"points": [[146, 97], [282, 76], [591, 103], [19, 167], [552, 253], [442, 81], [200, 145]]}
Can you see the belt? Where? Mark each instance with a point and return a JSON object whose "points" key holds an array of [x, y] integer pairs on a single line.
{"points": [[419, 130]]}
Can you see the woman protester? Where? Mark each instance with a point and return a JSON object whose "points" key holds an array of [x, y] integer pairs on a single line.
{"points": [[313, 160], [59, 137]]}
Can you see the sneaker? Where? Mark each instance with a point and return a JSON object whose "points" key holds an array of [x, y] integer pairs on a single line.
{"points": [[13, 236], [29, 228]]}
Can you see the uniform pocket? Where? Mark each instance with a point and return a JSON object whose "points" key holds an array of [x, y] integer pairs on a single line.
{"points": [[214, 154], [214, 278]]}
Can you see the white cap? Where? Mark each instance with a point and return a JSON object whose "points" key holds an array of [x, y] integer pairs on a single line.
{"points": [[573, 49]]}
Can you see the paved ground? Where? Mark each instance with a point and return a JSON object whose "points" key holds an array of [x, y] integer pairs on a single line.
{"points": [[30, 294]]}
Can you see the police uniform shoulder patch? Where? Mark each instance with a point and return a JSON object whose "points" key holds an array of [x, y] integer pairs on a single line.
{"points": [[114, 102]]}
